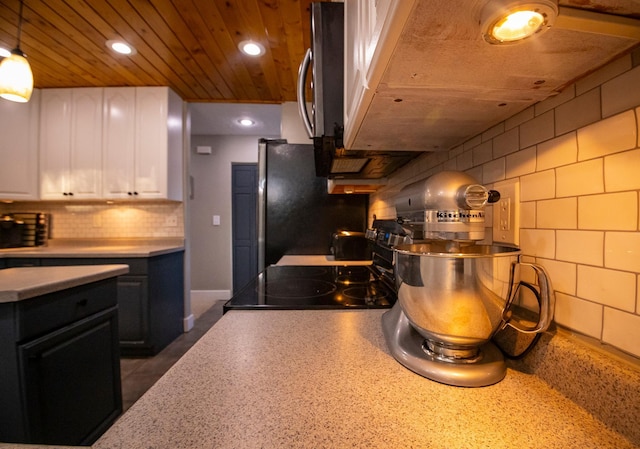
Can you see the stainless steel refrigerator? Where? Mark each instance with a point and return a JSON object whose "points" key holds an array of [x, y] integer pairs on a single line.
{"points": [[296, 214]]}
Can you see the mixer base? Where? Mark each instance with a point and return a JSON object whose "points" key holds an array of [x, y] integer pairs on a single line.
{"points": [[405, 344]]}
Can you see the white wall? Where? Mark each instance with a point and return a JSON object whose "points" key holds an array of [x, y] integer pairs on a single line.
{"points": [[211, 245]]}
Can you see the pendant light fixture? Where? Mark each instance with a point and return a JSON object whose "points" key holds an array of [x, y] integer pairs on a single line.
{"points": [[509, 21], [16, 79]]}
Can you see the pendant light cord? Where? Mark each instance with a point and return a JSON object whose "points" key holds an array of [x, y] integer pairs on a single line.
{"points": [[20, 23]]}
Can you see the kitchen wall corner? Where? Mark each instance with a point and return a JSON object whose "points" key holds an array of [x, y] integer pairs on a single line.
{"points": [[577, 157]]}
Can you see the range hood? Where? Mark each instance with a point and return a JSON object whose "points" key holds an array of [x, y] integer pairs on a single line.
{"points": [[434, 82]]}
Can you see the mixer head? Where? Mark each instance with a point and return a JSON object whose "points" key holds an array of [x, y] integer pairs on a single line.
{"points": [[446, 206]]}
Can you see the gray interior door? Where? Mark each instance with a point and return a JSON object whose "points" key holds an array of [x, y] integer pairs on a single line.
{"points": [[244, 181]]}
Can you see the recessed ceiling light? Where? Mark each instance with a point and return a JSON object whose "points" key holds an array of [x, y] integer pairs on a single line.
{"points": [[251, 48], [121, 47], [508, 21], [246, 122]]}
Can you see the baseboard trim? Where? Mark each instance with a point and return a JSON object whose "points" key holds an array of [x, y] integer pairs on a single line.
{"points": [[210, 295]]}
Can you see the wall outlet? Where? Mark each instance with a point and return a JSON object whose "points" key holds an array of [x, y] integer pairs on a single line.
{"points": [[171, 220], [506, 213]]}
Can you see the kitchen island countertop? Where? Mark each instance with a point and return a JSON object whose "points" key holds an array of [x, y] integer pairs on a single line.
{"points": [[17, 284]]}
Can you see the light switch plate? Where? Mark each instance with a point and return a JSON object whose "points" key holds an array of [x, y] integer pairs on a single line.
{"points": [[506, 213]]}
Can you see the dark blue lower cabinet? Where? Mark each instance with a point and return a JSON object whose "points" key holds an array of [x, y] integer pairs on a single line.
{"points": [[150, 300], [60, 376]]}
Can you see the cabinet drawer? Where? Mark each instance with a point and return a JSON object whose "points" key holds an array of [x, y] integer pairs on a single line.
{"points": [[52, 311]]}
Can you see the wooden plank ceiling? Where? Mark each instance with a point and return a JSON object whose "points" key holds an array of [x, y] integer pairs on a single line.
{"points": [[189, 45]]}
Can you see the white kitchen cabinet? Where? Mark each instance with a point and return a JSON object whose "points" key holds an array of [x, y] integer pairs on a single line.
{"points": [[142, 143], [71, 144], [372, 28], [19, 148]]}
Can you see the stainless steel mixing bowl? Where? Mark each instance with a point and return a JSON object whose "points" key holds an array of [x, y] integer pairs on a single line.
{"points": [[459, 299]]}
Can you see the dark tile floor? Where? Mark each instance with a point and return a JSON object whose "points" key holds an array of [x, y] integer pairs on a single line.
{"points": [[139, 374]]}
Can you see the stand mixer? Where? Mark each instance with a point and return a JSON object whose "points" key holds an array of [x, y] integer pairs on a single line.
{"points": [[454, 294]]}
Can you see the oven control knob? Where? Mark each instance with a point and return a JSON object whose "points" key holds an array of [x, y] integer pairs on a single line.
{"points": [[370, 234]]}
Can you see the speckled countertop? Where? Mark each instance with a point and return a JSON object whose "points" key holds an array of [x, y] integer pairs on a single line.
{"points": [[17, 284], [99, 248], [325, 379]]}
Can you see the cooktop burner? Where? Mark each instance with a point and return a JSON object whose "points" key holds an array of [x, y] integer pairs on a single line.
{"points": [[313, 287]]}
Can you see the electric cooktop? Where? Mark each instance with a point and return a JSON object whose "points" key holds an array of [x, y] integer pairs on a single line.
{"points": [[314, 287]]}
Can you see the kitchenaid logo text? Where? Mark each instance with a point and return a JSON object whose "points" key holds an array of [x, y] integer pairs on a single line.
{"points": [[460, 215]]}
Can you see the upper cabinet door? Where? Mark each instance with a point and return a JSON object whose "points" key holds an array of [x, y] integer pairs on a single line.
{"points": [[118, 142], [70, 143], [86, 143], [151, 167], [142, 143], [55, 144], [19, 128]]}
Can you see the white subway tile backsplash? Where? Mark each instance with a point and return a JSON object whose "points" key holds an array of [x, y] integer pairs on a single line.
{"points": [[582, 316], [519, 118], [557, 214], [622, 171], [537, 130], [607, 287], [563, 275], [493, 171], [528, 214], [538, 186], [464, 161], [622, 329], [621, 93], [580, 111], [506, 143], [622, 251], [608, 136], [583, 178], [538, 242], [556, 152], [482, 153], [613, 211], [493, 132], [521, 163], [583, 247], [555, 101], [610, 71]]}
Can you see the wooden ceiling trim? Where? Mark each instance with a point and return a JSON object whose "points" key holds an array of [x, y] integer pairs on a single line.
{"points": [[211, 33], [100, 31], [294, 21], [236, 34], [163, 36], [276, 36], [195, 18], [189, 47], [263, 70], [92, 57], [137, 31]]}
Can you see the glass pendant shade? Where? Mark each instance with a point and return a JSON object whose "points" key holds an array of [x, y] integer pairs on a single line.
{"points": [[16, 79]]}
